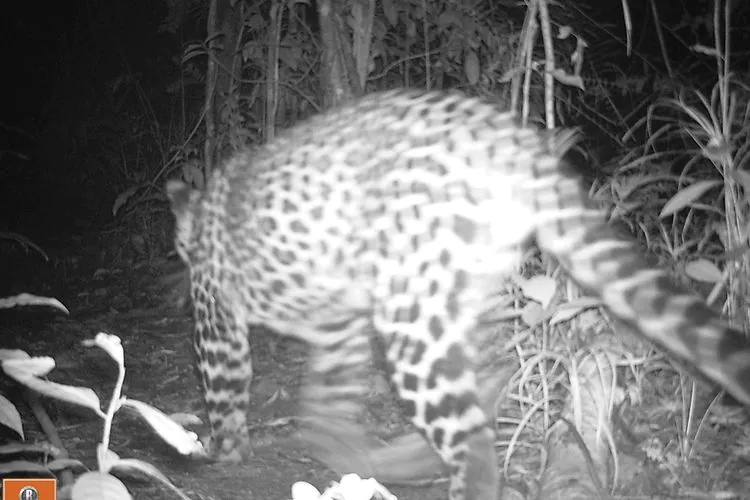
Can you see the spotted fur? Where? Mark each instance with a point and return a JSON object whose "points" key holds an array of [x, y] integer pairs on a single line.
{"points": [[395, 215]]}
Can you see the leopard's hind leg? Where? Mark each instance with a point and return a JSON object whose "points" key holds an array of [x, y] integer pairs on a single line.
{"points": [[333, 396]]}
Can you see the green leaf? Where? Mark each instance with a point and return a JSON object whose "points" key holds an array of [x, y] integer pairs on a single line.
{"points": [[686, 196], [704, 270], [540, 288]]}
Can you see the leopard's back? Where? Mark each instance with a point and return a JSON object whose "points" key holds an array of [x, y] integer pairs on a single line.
{"points": [[340, 200]]}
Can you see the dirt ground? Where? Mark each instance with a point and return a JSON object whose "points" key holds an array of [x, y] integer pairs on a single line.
{"points": [[160, 370], [132, 303]]}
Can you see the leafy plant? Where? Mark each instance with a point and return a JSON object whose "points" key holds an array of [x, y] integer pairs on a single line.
{"points": [[29, 372], [25, 242], [703, 225], [351, 487]]}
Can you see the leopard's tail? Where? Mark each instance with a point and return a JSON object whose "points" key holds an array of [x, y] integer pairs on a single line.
{"points": [[601, 262]]}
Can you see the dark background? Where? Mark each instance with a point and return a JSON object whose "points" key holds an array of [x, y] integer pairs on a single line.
{"points": [[88, 82]]}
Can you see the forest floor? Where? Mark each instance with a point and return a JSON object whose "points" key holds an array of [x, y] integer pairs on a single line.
{"points": [[156, 333], [161, 371]]}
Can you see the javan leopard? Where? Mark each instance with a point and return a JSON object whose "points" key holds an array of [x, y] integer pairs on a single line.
{"points": [[396, 215]]}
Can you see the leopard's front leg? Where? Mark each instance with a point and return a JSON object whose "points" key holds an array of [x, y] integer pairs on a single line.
{"points": [[225, 363]]}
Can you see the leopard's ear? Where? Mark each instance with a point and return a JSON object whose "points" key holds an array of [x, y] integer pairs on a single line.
{"points": [[183, 198], [180, 195], [177, 191]]}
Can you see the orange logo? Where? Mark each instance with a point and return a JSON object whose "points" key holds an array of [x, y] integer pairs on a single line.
{"points": [[29, 489]]}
